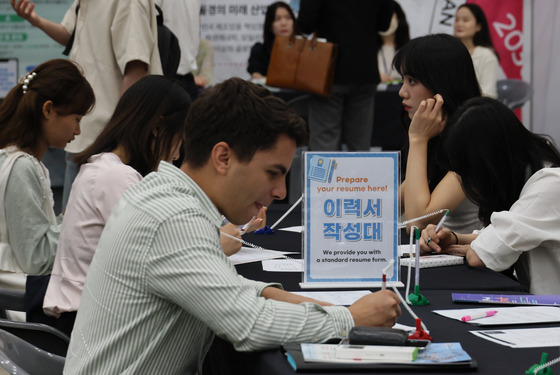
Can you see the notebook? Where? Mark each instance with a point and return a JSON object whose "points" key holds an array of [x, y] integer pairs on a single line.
{"points": [[430, 261], [508, 299], [454, 359]]}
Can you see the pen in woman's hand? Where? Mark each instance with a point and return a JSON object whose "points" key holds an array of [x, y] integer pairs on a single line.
{"points": [[439, 225]]}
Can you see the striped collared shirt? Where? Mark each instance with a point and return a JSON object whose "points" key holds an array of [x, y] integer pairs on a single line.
{"points": [[160, 287]]}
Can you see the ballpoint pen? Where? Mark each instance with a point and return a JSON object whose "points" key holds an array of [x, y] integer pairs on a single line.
{"points": [[478, 315], [439, 225]]}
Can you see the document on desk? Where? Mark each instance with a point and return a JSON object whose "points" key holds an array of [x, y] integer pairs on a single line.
{"points": [[434, 353], [523, 338], [249, 254], [339, 298], [507, 315], [283, 265]]}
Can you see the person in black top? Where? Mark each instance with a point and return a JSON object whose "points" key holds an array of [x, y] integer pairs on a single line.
{"points": [[279, 20], [346, 117]]}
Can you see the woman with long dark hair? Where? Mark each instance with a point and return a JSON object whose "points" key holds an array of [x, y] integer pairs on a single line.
{"points": [[512, 174], [147, 127], [471, 28], [279, 20], [438, 76]]}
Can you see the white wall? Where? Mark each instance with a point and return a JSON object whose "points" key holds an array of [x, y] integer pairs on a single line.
{"points": [[546, 68]]}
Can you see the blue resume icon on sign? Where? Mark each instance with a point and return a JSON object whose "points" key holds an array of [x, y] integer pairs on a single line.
{"points": [[321, 169]]}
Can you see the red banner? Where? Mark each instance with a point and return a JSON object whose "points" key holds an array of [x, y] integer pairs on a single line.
{"points": [[505, 20]]}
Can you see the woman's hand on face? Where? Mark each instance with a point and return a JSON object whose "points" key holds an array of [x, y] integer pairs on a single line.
{"points": [[428, 121]]}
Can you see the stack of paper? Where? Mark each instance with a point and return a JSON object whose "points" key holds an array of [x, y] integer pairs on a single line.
{"points": [[438, 260], [523, 338]]}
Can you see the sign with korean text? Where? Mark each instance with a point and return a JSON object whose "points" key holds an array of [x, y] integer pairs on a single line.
{"points": [[232, 28], [26, 43], [350, 218]]}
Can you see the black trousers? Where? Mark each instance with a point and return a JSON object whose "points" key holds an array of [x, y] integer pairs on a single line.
{"points": [[35, 290]]}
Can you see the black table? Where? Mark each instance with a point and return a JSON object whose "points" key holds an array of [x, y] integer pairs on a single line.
{"points": [[442, 278], [437, 286], [492, 359]]}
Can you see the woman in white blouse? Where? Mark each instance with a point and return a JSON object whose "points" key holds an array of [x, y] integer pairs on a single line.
{"points": [[513, 176], [471, 28]]}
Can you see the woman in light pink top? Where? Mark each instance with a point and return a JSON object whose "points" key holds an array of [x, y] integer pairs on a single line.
{"points": [[146, 127]]}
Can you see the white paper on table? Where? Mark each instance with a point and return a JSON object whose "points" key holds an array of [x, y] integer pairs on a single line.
{"points": [[283, 265], [296, 229], [508, 315], [249, 254], [522, 338], [336, 298]]}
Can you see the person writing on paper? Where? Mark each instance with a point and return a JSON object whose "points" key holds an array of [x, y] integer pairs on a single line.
{"points": [[389, 42], [471, 28], [146, 127], [160, 287], [513, 176], [43, 110], [279, 20], [438, 76]]}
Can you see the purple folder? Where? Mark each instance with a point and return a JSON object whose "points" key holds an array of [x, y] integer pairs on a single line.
{"points": [[508, 299]]}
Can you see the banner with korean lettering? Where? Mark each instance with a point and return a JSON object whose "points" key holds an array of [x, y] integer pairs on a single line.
{"points": [[232, 28], [350, 219]]}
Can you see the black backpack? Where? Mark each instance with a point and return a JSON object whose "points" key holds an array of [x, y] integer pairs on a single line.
{"points": [[168, 44]]}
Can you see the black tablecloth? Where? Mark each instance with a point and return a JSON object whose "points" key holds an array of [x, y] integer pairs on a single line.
{"points": [[441, 278], [437, 286], [492, 358]]}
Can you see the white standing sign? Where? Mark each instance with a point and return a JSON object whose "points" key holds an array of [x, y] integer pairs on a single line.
{"points": [[350, 219]]}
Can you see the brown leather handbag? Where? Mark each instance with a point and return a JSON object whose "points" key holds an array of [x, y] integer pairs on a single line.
{"points": [[302, 64]]}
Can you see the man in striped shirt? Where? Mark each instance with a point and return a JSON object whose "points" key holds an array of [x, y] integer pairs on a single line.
{"points": [[159, 287]]}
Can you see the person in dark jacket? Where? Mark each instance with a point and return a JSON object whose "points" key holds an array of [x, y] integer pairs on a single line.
{"points": [[347, 115]]}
